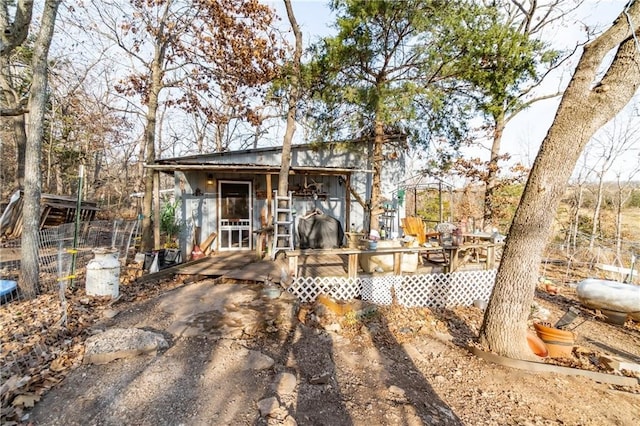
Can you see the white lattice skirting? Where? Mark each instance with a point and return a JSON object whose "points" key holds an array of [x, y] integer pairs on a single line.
{"points": [[430, 290]]}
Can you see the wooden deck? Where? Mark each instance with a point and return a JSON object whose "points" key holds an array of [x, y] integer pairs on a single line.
{"points": [[246, 266], [240, 265]]}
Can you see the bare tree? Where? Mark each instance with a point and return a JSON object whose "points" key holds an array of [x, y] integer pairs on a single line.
{"points": [[13, 100], [29, 269], [506, 81], [221, 49], [294, 95], [623, 189], [616, 140], [589, 102], [577, 201]]}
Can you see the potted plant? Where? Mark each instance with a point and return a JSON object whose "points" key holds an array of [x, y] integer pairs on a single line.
{"points": [[168, 223]]}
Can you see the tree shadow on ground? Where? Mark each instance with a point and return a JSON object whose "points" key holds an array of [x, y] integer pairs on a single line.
{"points": [[203, 377], [420, 399], [307, 353]]}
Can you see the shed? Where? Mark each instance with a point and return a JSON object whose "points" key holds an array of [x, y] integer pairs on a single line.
{"points": [[230, 193], [54, 211]]}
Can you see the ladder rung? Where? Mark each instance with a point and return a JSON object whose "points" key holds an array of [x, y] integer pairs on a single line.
{"points": [[283, 229]]}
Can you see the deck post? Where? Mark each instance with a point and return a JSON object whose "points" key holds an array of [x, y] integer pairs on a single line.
{"points": [[156, 209], [347, 204]]}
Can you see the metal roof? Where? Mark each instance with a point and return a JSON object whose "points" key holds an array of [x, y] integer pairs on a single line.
{"points": [[212, 155], [244, 168], [257, 160]]}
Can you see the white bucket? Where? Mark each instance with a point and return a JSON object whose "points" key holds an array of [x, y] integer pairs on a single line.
{"points": [[103, 273]]}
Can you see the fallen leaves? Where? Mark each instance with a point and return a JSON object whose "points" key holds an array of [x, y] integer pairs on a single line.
{"points": [[38, 351], [27, 400]]}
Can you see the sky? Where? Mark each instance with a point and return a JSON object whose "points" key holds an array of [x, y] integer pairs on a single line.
{"points": [[525, 132]]}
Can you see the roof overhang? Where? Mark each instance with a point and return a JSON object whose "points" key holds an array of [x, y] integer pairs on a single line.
{"points": [[250, 168]]}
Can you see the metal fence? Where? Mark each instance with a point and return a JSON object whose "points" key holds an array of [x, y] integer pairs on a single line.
{"points": [[27, 324], [607, 259], [56, 253]]}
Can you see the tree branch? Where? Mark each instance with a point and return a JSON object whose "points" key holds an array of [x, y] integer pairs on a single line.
{"points": [[594, 52], [12, 112]]}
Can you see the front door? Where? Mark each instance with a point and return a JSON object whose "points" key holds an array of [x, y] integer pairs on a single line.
{"points": [[234, 213]]}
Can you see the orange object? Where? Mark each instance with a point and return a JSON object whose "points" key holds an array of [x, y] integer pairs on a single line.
{"points": [[333, 306], [551, 289], [415, 226], [536, 345], [196, 253], [559, 343]]}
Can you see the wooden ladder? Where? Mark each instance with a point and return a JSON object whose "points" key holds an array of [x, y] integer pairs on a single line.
{"points": [[282, 223]]}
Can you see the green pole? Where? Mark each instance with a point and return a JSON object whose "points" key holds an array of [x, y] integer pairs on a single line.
{"points": [[77, 227]]}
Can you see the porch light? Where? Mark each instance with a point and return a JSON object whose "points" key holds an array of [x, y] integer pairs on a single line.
{"points": [[210, 179]]}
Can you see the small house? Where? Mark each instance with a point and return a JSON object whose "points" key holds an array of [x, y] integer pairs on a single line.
{"points": [[231, 193]]}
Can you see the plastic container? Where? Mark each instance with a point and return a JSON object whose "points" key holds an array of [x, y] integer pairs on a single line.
{"points": [[614, 317], [8, 288], [103, 273]]}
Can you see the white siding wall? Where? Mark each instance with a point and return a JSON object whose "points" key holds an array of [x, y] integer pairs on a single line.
{"points": [[201, 210]]}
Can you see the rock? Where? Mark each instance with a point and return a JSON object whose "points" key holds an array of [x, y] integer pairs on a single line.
{"points": [[322, 379], [258, 361], [440, 379], [110, 313], [177, 328], [268, 406], [334, 327], [279, 414], [285, 383], [443, 336], [117, 343], [411, 351], [393, 389], [289, 421]]}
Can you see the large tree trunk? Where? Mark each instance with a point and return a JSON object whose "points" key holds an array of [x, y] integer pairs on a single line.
{"points": [[147, 243], [10, 100], [147, 240], [376, 186], [585, 107], [20, 135], [15, 33], [29, 269], [492, 171], [294, 94]]}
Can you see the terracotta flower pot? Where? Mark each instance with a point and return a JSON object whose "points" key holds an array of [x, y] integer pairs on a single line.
{"points": [[559, 343], [536, 345]]}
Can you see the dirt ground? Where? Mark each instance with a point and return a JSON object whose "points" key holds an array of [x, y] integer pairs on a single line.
{"points": [[238, 357]]}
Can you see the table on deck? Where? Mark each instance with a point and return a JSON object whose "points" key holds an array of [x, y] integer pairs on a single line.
{"points": [[353, 254], [452, 255], [459, 255]]}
